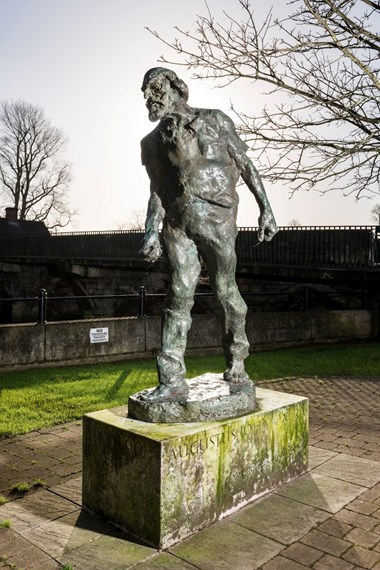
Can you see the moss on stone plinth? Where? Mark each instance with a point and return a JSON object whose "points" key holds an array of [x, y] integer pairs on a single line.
{"points": [[162, 482]]}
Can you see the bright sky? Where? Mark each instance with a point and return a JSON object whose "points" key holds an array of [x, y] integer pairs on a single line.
{"points": [[83, 62]]}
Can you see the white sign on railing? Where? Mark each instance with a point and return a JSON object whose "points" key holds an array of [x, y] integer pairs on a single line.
{"points": [[99, 335]]}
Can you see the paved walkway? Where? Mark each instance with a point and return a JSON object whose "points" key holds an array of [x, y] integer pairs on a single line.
{"points": [[326, 519]]}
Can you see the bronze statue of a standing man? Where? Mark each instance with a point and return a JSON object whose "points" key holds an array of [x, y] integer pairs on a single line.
{"points": [[194, 159]]}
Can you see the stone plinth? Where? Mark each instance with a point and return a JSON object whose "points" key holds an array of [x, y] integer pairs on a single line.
{"points": [[163, 482], [210, 398]]}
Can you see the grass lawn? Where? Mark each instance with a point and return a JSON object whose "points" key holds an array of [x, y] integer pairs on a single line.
{"points": [[37, 398]]}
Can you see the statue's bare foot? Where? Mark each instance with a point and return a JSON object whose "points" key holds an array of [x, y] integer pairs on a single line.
{"points": [[168, 393], [236, 374]]}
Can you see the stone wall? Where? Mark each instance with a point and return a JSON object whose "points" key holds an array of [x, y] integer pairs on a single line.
{"points": [[264, 289], [68, 342]]}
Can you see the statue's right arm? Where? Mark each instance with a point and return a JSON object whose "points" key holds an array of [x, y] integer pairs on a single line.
{"points": [[150, 247]]}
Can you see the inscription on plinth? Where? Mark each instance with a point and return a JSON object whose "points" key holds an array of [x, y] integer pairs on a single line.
{"points": [[162, 482]]}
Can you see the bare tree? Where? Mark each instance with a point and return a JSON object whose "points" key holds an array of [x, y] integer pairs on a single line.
{"points": [[294, 223], [135, 220], [320, 127], [375, 214], [33, 178]]}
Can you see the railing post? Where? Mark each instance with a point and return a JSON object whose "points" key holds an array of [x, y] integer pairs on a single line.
{"points": [[142, 292], [365, 297], [306, 298], [42, 298]]}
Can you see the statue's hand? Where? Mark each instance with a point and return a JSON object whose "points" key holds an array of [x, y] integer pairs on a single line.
{"points": [[267, 226], [151, 247]]}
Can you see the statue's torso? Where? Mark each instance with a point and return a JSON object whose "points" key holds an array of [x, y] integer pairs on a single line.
{"points": [[188, 161]]}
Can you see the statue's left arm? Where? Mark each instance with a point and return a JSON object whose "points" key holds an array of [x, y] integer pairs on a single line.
{"points": [[267, 222], [238, 150]]}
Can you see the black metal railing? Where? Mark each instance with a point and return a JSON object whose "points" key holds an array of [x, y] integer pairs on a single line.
{"points": [[43, 300], [339, 246], [348, 246]]}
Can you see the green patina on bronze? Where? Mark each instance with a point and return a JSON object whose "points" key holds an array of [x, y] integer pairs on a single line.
{"points": [[194, 159]]}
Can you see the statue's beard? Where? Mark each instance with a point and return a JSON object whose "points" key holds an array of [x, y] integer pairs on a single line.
{"points": [[156, 110]]}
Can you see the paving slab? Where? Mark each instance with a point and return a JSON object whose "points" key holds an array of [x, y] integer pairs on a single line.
{"points": [[71, 490], [328, 562], [362, 557], [357, 470], [225, 546], [302, 553], [364, 538], [279, 518], [67, 533], [281, 563], [335, 528], [19, 553], [33, 559], [326, 543], [363, 507], [317, 456], [356, 519], [114, 551], [50, 565], [321, 492], [12, 543], [165, 561], [34, 510]]}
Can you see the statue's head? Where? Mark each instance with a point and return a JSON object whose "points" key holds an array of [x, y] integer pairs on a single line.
{"points": [[162, 89]]}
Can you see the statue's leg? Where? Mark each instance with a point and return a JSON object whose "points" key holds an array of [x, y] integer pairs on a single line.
{"points": [[219, 254], [184, 268]]}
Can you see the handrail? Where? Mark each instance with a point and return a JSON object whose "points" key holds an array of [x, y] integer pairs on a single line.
{"points": [[42, 299]]}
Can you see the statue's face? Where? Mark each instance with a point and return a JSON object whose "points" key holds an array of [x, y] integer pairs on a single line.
{"points": [[160, 97]]}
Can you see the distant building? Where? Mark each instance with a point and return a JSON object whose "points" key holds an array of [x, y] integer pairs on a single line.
{"points": [[11, 226]]}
